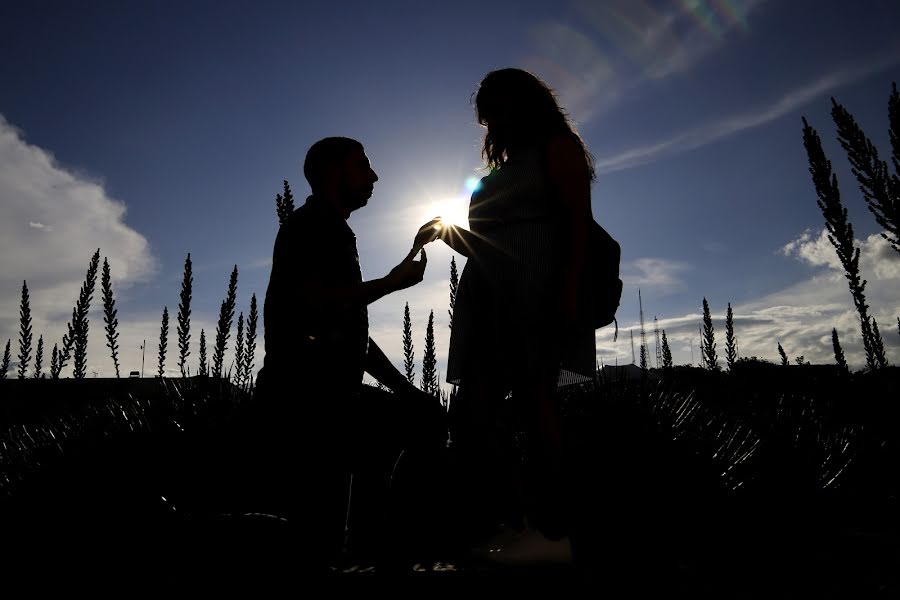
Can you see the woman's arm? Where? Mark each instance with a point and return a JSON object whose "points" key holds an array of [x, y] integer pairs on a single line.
{"points": [[570, 180]]}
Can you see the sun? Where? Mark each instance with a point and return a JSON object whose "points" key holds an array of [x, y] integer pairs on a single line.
{"points": [[452, 211]]}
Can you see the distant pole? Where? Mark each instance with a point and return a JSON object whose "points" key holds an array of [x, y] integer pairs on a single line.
{"points": [[142, 358], [692, 352]]}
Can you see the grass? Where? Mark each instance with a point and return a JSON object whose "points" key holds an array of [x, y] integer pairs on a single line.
{"points": [[714, 483]]}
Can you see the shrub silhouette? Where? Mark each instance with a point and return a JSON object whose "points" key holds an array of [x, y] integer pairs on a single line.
{"points": [[39, 358], [838, 351], [880, 189], [109, 315], [184, 316], [710, 359], [4, 364], [284, 205], [730, 343], [24, 332], [454, 287], [429, 360], [75, 341], [783, 354], [250, 347], [666, 353], [203, 368], [223, 329], [163, 341], [409, 364], [840, 234], [239, 350]]}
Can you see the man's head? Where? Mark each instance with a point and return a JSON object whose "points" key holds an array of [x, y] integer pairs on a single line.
{"points": [[338, 167]]}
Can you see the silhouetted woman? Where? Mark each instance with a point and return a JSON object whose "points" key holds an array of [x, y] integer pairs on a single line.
{"points": [[517, 321]]}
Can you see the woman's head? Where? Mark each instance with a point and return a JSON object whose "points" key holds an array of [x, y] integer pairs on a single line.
{"points": [[518, 108]]}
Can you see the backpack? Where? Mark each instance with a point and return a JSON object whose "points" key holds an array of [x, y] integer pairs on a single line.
{"points": [[603, 285]]}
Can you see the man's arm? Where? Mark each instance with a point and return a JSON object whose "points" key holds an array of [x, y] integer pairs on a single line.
{"points": [[379, 367], [407, 274]]}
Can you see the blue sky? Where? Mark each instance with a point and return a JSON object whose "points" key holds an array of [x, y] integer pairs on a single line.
{"points": [[156, 129]]}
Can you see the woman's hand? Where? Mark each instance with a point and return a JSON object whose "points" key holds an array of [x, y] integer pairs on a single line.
{"points": [[428, 232]]}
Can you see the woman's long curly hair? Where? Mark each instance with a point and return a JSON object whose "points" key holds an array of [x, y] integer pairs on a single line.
{"points": [[529, 113]]}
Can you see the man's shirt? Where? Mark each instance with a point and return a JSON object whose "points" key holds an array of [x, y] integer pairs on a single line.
{"points": [[304, 336]]}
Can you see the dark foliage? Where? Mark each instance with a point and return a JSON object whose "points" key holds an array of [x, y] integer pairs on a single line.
{"points": [[730, 342], [250, 347], [840, 234], [79, 329], [39, 358], [666, 353], [184, 316], [203, 368], [163, 341], [284, 205], [4, 365], [429, 360], [783, 354], [710, 358], [838, 351], [409, 364], [24, 332], [239, 351], [454, 287], [109, 315], [223, 328], [880, 189]]}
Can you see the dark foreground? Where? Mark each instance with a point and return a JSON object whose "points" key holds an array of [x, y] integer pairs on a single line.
{"points": [[120, 486]]}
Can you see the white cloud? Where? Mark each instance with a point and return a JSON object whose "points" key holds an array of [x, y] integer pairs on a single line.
{"points": [[800, 317], [51, 222], [661, 275], [713, 131]]}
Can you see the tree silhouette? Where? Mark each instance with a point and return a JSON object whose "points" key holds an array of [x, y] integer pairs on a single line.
{"points": [[784, 358], [109, 315], [223, 328], [730, 344], [838, 351], [454, 287], [239, 351], [203, 369], [666, 353], [643, 360], [250, 349], [80, 322], [39, 358], [24, 332], [710, 358], [429, 360], [184, 316], [408, 355], [880, 189], [284, 205], [840, 234], [4, 365], [163, 341]]}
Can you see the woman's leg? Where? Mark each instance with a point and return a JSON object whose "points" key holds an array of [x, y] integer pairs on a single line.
{"points": [[547, 478]]}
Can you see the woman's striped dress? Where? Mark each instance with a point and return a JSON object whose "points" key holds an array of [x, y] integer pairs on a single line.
{"points": [[503, 321]]}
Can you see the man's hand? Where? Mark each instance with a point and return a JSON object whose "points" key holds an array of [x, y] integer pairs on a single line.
{"points": [[409, 272], [428, 232]]}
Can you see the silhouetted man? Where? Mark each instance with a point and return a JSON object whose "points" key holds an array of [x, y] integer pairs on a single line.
{"points": [[316, 425]]}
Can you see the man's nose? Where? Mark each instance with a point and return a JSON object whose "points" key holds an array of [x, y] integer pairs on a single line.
{"points": [[374, 175]]}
